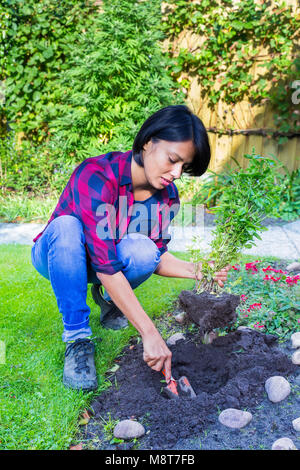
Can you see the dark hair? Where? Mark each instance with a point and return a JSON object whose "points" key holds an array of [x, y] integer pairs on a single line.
{"points": [[175, 123]]}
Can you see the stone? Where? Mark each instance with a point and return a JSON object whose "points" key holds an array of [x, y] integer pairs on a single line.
{"points": [[128, 429], [174, 338], [293, 267], [233, 418], [284, 443], [180, 318], [295, 338], [277, 388], [296, 357], [243, 328], [296, 424]]}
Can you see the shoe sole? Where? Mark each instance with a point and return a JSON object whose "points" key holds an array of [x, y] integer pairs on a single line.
{"points": [[107, 324], [95, 294], [75, 386], [111, 326]]}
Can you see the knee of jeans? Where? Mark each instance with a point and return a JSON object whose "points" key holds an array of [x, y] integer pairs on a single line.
{"points": [[67, 229], [42, 266], [138, 250]]}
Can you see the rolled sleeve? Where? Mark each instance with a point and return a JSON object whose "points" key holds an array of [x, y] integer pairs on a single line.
{"points": [[162, 246]]}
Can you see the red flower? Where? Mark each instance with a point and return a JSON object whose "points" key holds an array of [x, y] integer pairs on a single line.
{"points": [[252, 266], [267, 269], [253, 306], [292, 279], [271, 278], [236, 267]]}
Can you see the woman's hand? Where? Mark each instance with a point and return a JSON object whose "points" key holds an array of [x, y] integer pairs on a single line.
{"points": [[220, 276], [156, 354]]}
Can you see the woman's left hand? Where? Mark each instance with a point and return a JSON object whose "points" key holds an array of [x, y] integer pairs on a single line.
{"points": [[220, 276]]}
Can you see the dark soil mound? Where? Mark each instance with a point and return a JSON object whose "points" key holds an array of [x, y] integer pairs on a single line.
{"points": [[230, 372], [209, 311]]}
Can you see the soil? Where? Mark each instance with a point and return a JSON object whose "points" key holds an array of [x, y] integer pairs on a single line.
{"points": [[209, 311], [228, 373]]}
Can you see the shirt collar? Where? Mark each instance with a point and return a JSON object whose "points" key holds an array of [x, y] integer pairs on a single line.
{"points": [[126, 171], [126, 176], [171, 191]]}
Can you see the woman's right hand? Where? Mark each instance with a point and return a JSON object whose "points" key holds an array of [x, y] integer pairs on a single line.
{"points": [[156, 354]]}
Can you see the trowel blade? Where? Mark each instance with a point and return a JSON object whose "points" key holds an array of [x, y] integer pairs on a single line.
{"points": [[185, 387], [171, 389], [170, 394]]}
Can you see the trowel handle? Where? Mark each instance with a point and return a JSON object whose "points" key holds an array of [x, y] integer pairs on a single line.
{"points": [[164, 372]]}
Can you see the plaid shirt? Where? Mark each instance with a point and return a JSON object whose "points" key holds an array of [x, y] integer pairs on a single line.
{"points": [[99, 193]]}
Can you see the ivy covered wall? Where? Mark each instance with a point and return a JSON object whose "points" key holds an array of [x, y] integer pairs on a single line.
{"points": [[239, 63]]}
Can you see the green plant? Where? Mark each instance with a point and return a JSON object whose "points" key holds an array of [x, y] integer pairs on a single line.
{"points": [[109, 425], [85, 81], [36, 49], [287, 207], [211, 189], [100, 99], [21, 207], [241, 209]]}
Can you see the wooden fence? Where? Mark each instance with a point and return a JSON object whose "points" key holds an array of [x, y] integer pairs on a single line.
{"points": [[250, 124]]}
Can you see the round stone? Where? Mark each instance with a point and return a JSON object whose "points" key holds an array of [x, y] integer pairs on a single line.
{"points": [[296, 424], [128, 429], [296, 357], [174, 338], [277, 388], [180, 318], [293, 266], [295, 340], [233, 418], [284, 443]]}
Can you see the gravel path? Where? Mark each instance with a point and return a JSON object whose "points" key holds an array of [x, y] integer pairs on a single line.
{"points": [[281, 237]]}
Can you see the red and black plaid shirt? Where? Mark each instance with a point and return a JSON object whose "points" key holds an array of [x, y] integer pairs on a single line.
{"points": [[99, 193]]}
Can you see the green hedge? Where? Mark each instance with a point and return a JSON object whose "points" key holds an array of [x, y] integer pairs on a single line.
{"points": [[79, 82]]}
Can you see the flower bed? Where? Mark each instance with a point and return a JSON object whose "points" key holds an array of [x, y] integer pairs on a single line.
{"points": [[270, 297]]}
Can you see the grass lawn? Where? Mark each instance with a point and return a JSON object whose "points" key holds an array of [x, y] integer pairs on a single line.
{"points": [[36, 410]]}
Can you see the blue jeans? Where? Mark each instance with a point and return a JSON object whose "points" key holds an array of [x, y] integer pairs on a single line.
{"points": [[60, 256]]}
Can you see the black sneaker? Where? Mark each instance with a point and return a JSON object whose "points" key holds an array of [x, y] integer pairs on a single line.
{"points": [[79, 368], [111, 316]]}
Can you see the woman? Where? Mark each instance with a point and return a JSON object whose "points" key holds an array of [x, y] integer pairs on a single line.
{"points": [[109, 229]]}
